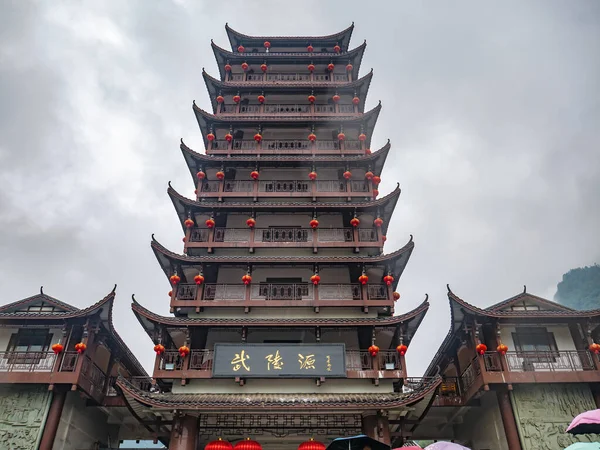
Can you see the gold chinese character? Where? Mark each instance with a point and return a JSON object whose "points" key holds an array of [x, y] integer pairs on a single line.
{"points": [[274, 360], [328, 363], [239, 361], [306, 362]]}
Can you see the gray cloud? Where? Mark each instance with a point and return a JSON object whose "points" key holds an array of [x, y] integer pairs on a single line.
{"points": [[493, 112]]}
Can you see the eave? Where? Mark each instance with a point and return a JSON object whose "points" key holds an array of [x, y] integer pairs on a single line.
{"points": [[196, 160], [274, 402], [385, 206], [353, 56], [341, 38], [216, 87], [393, 262], [207, 120], [43, 297], [149, 320]]}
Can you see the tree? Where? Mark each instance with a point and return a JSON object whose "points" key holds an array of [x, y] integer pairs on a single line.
{"points": [[580, 288]]}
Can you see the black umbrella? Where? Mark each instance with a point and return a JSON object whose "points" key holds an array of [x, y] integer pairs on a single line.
{"points": [[361, 442]]}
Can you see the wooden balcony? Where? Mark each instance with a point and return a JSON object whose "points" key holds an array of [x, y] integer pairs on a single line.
{"points": [[276, 237], [199, 364], [273, 77], [283, 295], [287, 109], [286, 146]]}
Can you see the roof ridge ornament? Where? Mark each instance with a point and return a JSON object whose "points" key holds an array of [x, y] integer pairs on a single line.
{"points": [[42, 290], [449, 290], [524, 289]]}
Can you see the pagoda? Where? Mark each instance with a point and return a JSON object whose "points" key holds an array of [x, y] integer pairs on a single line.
{"points": [[282, 301]]}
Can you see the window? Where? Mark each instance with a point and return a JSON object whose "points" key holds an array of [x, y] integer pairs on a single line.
{"points": [[43, 308], [28, 346], [534, 343]]}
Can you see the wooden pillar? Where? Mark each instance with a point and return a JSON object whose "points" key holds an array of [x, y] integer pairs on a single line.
{"points": [[54, 413], [377, 427], [184, 433], [508, 419]]}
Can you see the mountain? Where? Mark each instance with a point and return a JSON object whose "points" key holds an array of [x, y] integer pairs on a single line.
{"points": [[580, 288]]}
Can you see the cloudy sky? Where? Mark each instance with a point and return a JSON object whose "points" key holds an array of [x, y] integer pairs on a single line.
{"points": [[493, 112]]}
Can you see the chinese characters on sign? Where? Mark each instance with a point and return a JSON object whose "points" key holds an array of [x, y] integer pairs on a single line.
{"points": [[279, 360]]}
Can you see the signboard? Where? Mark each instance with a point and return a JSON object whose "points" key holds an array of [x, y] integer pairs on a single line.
{"points": [[279, 360]]}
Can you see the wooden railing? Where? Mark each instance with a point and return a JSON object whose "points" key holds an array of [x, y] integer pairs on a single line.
{"points": [[287, 77], [27, 362], [282, 291], [271, 186], [553, 361], [286, 108], [287, 145]]}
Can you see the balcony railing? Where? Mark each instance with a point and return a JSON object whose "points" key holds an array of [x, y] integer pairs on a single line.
{"points": [[27, 362], [291, 145], [288, 77], [247, 186], [554, 361], [283, 186], [282, 235], [283, 291]]}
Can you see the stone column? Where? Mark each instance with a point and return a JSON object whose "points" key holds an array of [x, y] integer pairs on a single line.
{"points": [[508, 419], [377, 427], [51, 425], [184, 433]]}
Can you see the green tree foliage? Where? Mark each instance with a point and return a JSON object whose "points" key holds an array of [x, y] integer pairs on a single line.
{"points": [[580, 288]]}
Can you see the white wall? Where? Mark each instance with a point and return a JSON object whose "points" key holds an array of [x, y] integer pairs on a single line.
{"points": [[562, 335]]}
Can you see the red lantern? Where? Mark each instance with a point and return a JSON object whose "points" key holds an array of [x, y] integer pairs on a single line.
{"points": [[481, 348], [347, 174], [175, 279], [375, 193], [341, 136], [263, 67], [396, 295], [258, 137], [378, 222], [309, 48], [189, 223], [199, 279], [349, 67], [312, 98], [383, 238], [227, 68], [312, 137], [241, 49], [373, 350], [502, 349], [311, 67], [210, 223], [251, 222], [245, 66], [228, 137], [369, 175], [236, 98], [335, 98], [337, 48], [267, 44], [200, 175], [81, 347], [315, 279], [246, 279], [330, 67], [184, 350], [594, 348], [159, 349], [57, 348], [401, 349], [388, 280], [220, 175], [311, 444], [376, 180], [312, 175], [254, 175], [170, 293], [362, 137], [247, 444], [261, 98], [356, 100], [355, 221], [220, 99], [363, 279], [314, 223], [183, 239], [219, 444], [367, 151], [210, 137]]}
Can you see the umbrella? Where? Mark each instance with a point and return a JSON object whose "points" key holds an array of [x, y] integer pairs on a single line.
{"points": [[584, 446], [410, 447], [584, 423], [445, 446], [357, 443]]}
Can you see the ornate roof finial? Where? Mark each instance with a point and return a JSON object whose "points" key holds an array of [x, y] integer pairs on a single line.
{"points": [[524, 289], [449, 290], [42, 290]]}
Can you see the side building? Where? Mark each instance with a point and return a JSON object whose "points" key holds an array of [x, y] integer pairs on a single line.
{"points": [[283, 302], [514, 374], [58, 369]]}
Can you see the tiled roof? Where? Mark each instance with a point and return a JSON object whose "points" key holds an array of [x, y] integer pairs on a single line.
{"points": [[41, 297], [341, 34], [276, 401], [524, 296]]}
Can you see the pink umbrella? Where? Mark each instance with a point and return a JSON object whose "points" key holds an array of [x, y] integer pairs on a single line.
{"points": [[410, 447], [445, 446], [587, 422]]}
